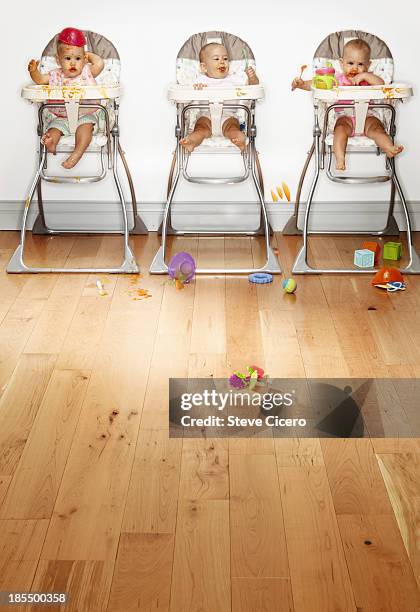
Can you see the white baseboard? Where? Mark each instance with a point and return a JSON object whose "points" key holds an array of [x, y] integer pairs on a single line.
{"points": [[210, 215]]}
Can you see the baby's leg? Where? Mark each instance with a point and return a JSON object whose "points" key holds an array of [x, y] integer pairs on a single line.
{"points": [[83, 139], [342, 131], [232, 130], [50, 139], [202, 130], [375, 130]]}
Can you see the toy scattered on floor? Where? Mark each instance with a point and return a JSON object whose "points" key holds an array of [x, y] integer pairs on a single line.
{"points": [[392, 250], [101, 288], [260, 278], [255, 376], [393, 286], [387, 275], [181, 269], [364, 258], [375, 247], [325, 78], [289, 285]]}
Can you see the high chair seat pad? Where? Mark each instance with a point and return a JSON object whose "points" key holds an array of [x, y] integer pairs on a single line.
{"points": [[98, 140], [216, 142], [354, 141]]}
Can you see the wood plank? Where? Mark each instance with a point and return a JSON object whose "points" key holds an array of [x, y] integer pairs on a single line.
{"points": [[20, 547], [255, 503], [204, 471], [354, 476], [19, 406], [87, 583], [201, 580], [81, 343], [390, 332], [319, 344], [298, 452], [380, 572], [401, 476], [153, 490], [35, 484], [318, 570], [142, 575], [52, 325], [282, 352], [209, 320], [87, 517], [4, 486], [261, 595], [15, 330]]}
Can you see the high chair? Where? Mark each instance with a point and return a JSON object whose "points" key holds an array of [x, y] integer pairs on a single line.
{"points": [[382, 98], [103, 96], [242, 101]]}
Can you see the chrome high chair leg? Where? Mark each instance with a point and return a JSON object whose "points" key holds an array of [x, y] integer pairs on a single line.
{"points": [[291, 227], [413, 266], [129, 264], [271, 265]]}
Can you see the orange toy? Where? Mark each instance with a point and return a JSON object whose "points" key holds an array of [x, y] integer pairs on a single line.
{"points": [[375, 247], [387, 275]]}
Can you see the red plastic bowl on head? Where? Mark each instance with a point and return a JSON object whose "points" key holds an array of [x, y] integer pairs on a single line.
{"points": [[72, 37], [387, 275]]}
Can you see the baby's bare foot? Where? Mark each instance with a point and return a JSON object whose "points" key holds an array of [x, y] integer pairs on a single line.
{"points": [[192, 141], [72, 160], [393, 150], [340, 163], [49, 143], [239, 141]]}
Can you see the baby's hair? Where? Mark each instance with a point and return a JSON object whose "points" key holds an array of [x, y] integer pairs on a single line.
{"points": [[206, 47], [358, 43], [60, 43]]}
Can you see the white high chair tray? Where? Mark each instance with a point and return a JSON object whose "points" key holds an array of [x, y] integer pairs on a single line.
{"points": [[43, 93], [371, 92], [186, 93]]}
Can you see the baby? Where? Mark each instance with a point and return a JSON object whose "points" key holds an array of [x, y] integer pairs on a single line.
{"points": [[76, 68], [214, 68], [355, 71]]}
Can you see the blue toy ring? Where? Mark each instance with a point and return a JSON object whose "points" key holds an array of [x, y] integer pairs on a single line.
{"points": [[260, 278]]}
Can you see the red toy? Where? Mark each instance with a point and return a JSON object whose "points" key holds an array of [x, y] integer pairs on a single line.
{"points": [[387, 275], [375, 247]]}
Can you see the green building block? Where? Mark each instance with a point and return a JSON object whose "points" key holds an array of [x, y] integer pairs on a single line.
{"points": [[392, 250]]}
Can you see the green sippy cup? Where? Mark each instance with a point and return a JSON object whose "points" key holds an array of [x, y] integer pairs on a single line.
{"points": [[325, 78]]}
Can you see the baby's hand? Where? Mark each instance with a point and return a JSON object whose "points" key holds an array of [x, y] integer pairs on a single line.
{"points": [[33, 65], [199, 85], [298, 83], [363, 76]]}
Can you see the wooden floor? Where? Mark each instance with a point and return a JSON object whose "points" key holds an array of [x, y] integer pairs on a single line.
{"points": [[96, 500]]}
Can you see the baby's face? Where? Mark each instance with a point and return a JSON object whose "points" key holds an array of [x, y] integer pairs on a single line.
{"points": [[215, 62], [71, 59], [355, 61]]}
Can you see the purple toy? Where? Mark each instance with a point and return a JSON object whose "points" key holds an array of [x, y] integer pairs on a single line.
{"points": [[182, 267]]}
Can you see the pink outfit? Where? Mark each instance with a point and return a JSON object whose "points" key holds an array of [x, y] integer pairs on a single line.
{"points": [[344, 81], [57, 79]]}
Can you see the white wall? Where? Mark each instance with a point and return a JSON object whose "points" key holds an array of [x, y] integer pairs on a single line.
{"points": [[148, 36]]}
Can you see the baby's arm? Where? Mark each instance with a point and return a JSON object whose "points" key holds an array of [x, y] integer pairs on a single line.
{"points": [[35, 74], [252, 76], [97, 63], [299, 83], [369, 77]]}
